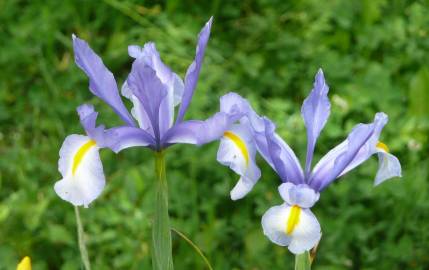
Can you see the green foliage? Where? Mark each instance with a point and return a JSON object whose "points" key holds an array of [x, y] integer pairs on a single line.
{"points": [[375, 57]]}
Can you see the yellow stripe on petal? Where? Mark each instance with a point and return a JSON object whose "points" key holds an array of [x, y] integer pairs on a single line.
{"points": [[293, 220], [383, 147], [239, 143], [25, 264], [81, 153]]}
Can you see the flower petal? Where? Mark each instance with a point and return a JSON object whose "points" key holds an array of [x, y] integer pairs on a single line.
{"points": [[301, 195], [82, 171], [284, 159], [174, 83], [149, 90], [291, 226], [388, 167], [193, 71], [315, 111], [137, 111], [359, 146], [237, 150], [200, 132], [120, 138], [101, 80]]}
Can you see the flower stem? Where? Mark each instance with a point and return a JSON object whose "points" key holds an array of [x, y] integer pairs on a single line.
{"points": [[81, 240], [303, 261], [162, 258]]}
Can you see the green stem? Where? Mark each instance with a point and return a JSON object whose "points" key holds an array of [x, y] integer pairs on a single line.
{"points": [[162, 258], [81, 240], [303, 261]]}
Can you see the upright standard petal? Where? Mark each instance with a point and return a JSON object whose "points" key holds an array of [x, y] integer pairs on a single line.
{"points": [[193, 71], [101, 80], [174, 83], [237, 150], [284, 159], [137, 111], [315, 111], [82, 171], [149, 90], [292, 226]]}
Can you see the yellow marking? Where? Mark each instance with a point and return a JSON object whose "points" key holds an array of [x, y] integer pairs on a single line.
{"points": [[293, 219], [25, 264], [239, 143], [80, 154], [382, 146]]}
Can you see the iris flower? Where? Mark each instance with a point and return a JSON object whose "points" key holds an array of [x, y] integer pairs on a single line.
{"points": [[154, 90], [292, 223]]}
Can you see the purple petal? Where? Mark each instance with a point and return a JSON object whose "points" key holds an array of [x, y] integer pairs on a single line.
{"points": [[88, 119], [201, 132], [315, 111], [193, 71], [358, 147], [150, 91], [137, 111], [119, 138], [101, 80], [284, 159], [174, 83]]}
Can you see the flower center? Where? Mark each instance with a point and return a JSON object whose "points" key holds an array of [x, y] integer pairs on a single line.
{"points": [[80, 154], [293, 219]]}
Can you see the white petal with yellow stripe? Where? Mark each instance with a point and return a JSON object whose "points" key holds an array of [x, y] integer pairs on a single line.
{"points": [[292, 226], [82, 171], [237, 150], [388, 165]]}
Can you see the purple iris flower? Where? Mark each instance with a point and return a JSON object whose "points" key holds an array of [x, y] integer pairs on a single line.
{"points": [[154, 90], [293, 224]]}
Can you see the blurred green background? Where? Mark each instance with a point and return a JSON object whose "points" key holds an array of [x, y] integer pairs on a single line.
{"points": [[375, 56]]}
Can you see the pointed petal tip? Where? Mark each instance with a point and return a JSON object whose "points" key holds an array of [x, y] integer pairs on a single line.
{"points": [[319, 81], [208, 25]]}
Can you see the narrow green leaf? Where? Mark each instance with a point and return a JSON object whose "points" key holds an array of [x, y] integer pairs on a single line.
{"points": [[195, 247]]}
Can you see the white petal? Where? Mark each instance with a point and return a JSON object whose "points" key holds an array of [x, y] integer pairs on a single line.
{"points": [[237, 150], [241, 189], [301, 195], [388, 167], [304, 235], [274, 223], [83, 179]]}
